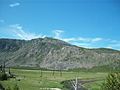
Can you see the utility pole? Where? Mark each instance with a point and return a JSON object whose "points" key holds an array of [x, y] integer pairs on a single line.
{"points": [[1, 68], [4, 67], [9, 71], [41, 73], [53, 73], [60, 69], [60, 72]]}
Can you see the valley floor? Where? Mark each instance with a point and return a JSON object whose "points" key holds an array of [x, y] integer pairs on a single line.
{"points": [[39, 80]]}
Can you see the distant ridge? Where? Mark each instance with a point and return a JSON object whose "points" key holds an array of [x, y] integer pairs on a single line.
{"points": [[52, 53]]}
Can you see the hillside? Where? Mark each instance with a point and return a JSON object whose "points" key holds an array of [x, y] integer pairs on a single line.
{"points": [[54, 54]]}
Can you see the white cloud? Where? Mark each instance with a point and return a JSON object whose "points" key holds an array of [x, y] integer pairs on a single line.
{"points": [[68, 39], [82, 39], [79, 41], [14, 4], [17, 29], [109, 47], [58, 33], [96, 39], [115, 45], [86, 45], [89, 39]]}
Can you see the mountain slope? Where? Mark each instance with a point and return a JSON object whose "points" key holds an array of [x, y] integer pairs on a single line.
{"points": [[54, 54]]}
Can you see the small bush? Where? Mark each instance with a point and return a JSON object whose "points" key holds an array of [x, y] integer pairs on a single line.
{"points": [[16, 87], [1, 87], [3, 76], [8, 88]]}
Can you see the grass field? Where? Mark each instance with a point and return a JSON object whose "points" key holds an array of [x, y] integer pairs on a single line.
{"points": [[34, 80]]}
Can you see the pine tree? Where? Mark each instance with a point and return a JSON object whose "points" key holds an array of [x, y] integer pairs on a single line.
{"points": [[112, 82]]}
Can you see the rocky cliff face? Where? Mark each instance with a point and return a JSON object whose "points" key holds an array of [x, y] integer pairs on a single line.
{"points": [[53, 54]]}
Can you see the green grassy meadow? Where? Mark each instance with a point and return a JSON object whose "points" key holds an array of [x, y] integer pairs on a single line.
{"points": [[34, 80]]}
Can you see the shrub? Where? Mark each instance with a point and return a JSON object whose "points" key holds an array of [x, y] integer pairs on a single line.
{"points": [[16, 87], [1, 87], [8, 88], [3, 76]]}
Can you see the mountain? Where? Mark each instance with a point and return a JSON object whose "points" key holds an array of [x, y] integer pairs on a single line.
{"points": [[54, 54]]}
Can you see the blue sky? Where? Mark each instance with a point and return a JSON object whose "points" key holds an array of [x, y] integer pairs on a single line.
{"points": [[86, 23]]}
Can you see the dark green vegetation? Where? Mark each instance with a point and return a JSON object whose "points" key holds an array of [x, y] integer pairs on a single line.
{"points": [[112, 82], [3, 76], [1, 87], [55, 54], [105, 68]]}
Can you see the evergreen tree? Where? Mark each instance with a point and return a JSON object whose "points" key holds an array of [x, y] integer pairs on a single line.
{"points": [[112, 82]]}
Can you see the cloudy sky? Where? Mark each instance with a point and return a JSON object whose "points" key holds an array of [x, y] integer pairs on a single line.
{"points": [[86, 23]]}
